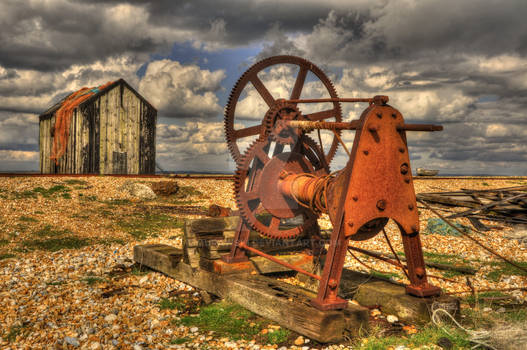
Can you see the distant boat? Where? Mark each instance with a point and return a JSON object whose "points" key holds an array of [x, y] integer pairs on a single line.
{"points": [[426, 172]]}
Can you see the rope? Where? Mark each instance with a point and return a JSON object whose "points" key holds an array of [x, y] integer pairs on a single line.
{"points": [[476, 337]]}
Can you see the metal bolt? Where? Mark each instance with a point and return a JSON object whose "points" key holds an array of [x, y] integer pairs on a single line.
{"points": [[414, 229], [332, 283], [394, 115], [365, 152], [404, 168], [350, 224], [379, 115], [401, 150], [411, 206], [355, 198], [381, 204], [283, 174], [420, 272], [407, 180], [372, 128]]}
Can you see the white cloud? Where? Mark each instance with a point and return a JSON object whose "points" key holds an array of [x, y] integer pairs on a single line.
{"points": [[182, 90]]}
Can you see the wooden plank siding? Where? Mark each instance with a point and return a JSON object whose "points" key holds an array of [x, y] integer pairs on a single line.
{"points": [[113, 132]]}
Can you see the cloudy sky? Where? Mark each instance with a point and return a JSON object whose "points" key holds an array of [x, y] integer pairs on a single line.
{"points": [[459, 63]]}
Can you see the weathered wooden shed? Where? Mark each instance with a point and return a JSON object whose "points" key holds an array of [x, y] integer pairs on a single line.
{"points": [[111, 131]]}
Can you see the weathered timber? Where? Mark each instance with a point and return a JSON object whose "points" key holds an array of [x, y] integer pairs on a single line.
{"points": [[285, 304], [257, 264], [393, 299]]}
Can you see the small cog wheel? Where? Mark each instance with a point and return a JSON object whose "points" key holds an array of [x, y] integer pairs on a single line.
{"points": [[257, 195]]}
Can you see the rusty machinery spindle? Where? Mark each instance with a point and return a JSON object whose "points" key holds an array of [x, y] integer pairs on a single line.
{"points": [[374, 186]]}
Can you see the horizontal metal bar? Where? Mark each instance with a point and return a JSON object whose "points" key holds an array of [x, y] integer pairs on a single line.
{"points": [[242, 245], [420, 127]]}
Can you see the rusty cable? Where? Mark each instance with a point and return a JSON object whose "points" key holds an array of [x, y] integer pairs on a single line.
{"points": [[470, 237], [342, 143], [395, 254]]}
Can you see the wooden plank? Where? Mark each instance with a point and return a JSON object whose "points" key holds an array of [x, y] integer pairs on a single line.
{"points": [[283, 303], [103, 120]]}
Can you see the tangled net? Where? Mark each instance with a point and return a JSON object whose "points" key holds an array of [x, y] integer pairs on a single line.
{"points": [[63, 119]]}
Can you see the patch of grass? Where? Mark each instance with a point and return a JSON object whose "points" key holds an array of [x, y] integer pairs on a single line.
{"points": [[56, 244], [427, 336], [48, 192], [503, 268], [148, 224], [450, 273], [24, 195], [76, 182], [27, 219], [87, 198], [80, 216], [50, 231], [14, 331], [225, 320], [3, 242], [6, 256], [171, 304], [140, 270], [114, 202], [187, 191], [180, 341], [279, 336], [471, 299], [485, 184], [384, 275], [90, 280], [56, 283], [39, 212], [446, 259]]}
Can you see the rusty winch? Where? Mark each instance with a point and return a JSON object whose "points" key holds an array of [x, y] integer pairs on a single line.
{"points": [[285, 174]]}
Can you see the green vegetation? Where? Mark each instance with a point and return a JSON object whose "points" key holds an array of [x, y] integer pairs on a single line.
{"points": [[140, 270], [503, 268], [50, 231], [171, 304], [59, 190], [14, 332], [148, 224], [4, 242], [91, 280], [56, 283], [56, 244], [87, 198], [278, 336], [113, 202], [6, 256], [445, 259], [76, 182], [382, 275], [225, 320], [48, 192], [426, 336], [27, 219], [180, 341], [485, 184]]}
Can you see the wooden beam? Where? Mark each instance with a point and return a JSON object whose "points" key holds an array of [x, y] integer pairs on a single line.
{"points": [[283, 303]]}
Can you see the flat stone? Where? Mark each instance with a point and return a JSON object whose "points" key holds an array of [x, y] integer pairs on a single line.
{"points": [[392, 299]]}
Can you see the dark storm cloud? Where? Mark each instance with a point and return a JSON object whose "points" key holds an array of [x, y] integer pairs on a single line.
{"points": [[461, 63]]}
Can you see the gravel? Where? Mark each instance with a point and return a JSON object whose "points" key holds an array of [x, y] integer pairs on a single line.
{"points": [[47, 298]]}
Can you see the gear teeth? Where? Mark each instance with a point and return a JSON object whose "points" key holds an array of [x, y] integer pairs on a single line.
{"points": [[244, 79]]}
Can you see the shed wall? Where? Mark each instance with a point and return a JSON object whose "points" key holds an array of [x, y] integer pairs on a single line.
{"points": [[112, 134]]}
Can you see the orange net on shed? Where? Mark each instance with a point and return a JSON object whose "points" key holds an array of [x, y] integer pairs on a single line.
{"points": [[63, 119]]}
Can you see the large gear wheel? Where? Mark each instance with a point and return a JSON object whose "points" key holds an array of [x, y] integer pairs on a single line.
{"points": [[233, 136], [256, 180]]}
